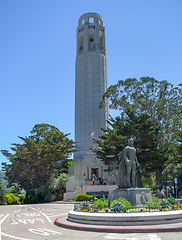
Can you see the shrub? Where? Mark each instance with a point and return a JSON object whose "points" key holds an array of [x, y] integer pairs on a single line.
{"points": [[10, 198], [117, 207], [123, 201], [101, 203], [83, 197], [171, 201], [158, 202]]}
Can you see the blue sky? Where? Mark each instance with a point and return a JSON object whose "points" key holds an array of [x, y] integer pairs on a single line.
{"points": [[38, 50]]}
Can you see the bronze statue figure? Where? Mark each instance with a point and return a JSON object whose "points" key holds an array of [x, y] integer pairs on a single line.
{"points": [[127, 168]]}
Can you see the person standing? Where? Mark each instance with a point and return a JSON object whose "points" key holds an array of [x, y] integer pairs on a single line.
{"points": [[93, 178]]}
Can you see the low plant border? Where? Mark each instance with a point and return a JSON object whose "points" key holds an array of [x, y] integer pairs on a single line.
{"points": [[133, 209]]}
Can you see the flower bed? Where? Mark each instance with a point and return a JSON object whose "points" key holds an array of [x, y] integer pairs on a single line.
{"points": [[121, 205]]}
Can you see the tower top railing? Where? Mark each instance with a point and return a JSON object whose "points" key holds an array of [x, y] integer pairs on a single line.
{"points": [[90, 18]]}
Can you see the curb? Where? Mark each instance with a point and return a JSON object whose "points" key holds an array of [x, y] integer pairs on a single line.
{"points": [[64, 223]]}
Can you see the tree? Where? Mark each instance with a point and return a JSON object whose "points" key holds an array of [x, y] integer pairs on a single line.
{"points": [[115, 140], [2, 189], [161, 101], [179, 146], [33, 163]]}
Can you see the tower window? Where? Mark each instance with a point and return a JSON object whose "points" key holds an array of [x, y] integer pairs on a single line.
{"points": [[80, 44], [82, 21], [91, 20], [99, 21], [91, 42]]}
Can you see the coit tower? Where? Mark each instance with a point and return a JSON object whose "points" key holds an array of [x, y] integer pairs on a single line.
{"points": [[91, 81]]}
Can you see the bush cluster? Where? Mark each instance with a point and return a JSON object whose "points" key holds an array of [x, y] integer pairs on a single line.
{"points": [[101, 203], [83, 197], [11, 198], [123, 201], [157, 202]]}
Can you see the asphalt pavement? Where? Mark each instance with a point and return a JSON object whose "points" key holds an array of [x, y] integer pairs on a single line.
{"points": [[36, 221]]}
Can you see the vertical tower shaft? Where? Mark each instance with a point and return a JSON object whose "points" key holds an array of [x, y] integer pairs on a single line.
{"points": [[91, 81]]}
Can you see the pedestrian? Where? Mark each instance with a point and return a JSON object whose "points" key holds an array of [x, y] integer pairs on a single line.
{"points": [[102, 180], [158, 193], [93, 178], [167, 193], [162, 193], [170, 193]]}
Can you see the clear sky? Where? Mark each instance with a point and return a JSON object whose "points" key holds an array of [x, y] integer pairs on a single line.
{"points": [[38, 50]]}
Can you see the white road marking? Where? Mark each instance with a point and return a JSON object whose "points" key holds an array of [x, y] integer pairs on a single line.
{"points": [[1, 222], [44, 231], [48, 219], [7, 235], [17, 210], [24, 221], [58, 215], [133, 236], [153, 237], [121, 236]]}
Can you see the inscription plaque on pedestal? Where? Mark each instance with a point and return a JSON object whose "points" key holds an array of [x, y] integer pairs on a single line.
{"points": [[137, 196]]}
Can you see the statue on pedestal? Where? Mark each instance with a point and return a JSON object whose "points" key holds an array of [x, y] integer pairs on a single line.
{"points": [[127, 168]]}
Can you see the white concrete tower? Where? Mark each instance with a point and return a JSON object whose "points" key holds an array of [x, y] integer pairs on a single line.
{"points": [[91, 81]]}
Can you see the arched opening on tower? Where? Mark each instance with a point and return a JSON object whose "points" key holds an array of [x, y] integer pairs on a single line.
{"points": [[91, 20], [102, 47], [82, 21], [80, 44]]}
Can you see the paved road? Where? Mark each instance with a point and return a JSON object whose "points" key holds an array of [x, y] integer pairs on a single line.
{"points": [[29, 222]]}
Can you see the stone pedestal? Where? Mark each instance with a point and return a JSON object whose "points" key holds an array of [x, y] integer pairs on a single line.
{"points": [[137, 196]]}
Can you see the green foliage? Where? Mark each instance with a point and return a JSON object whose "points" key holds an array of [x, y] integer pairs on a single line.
{"points": [[83, 197], [168, 201], [11, 198], [179, 147], [117, 207], [2, 190], [50, 191], [151, 111], [84, 204], [123, 201], [18, 193], [115, 139], [100, 203], [148, 180], [158, 202], [33, 163]]}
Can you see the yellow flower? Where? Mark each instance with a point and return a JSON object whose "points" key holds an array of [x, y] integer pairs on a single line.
{"points": [[165, 209], [134, 210]]}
